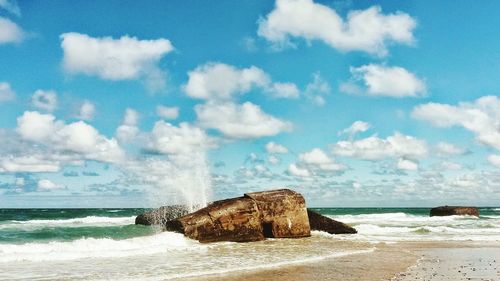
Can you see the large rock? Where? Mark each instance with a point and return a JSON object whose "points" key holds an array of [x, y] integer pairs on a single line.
{"points": [[253, 217], [454, 210], [322, 223], [161, 215]]}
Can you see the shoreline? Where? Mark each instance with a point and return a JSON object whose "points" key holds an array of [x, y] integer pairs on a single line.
{"points": [[402, 261]]}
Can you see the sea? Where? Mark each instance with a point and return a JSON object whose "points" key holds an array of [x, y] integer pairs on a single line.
{"points": [[105, 244]]}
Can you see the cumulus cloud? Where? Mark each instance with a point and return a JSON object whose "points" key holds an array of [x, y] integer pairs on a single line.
{"points": [[272, 147], [166, 112], [317, 159], [407, 165], [6, 92], [44, 100], [450, 166], [47, 185], [185, 139], [375, 148], [314, 164], [273, 160], [87, 111], [481, 117], [219, 81], [380, 80], [10, 6], [10, 32], [243, 121], [316, 91], [297, 171], [356, 127], [128, 130], [448, 149], [494, 160], [126, 58], [78, 138], [28, 164], [363, 30]]}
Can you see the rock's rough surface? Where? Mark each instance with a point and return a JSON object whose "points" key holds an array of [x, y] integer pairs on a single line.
{"points": [[253, 217], [160, 215], [322, 223], [454, 210]]}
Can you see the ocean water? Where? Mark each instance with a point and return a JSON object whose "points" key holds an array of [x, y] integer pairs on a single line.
{"points": [[104, 244]]}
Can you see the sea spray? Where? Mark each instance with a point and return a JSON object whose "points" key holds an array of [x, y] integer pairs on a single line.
{"points": [[175, 179]]}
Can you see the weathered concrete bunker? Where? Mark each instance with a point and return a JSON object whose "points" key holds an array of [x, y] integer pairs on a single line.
{"points": [[255, 216]]}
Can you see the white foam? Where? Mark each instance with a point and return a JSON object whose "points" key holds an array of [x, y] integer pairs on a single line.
{"points": [[257, 266], [96, 248], [75, 222]]}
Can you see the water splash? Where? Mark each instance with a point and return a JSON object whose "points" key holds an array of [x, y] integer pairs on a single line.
{"points": [[179, 179]]}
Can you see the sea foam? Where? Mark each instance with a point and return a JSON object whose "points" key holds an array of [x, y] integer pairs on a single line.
{"points": [[97, 248]]}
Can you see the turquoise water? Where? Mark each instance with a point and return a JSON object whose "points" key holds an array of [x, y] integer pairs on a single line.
{"points": [[104, 244], [19, 226], [26, 225]]}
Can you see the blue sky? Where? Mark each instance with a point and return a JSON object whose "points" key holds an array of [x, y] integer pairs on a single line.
{"points": [[352, 103]]}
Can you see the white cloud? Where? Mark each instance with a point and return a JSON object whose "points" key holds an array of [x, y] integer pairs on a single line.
{"points": [[272, 147], [47, 185], [451, 166], [44, 100], [185, 139], [240, 121], [297, 171], [364, 30], [407, 165], [356, 127], [28, 164], [481, 117], [166, 112], [273, 159], [316, 90], [375, 148], [125, 58], [87, 111], [446, 149], [494, 160], [79, 138], [284, 90], [10, 32], [379, 80], [317, 159], [219, 81], [10, 6], [128, 130], [6, 92]]}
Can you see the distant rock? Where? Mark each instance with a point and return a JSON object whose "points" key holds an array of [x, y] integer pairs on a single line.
{"points": [[323, 223], [454, 210], [252, 217], [161, 215]]}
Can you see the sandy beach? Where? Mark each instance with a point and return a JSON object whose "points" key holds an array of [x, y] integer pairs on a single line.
{"points": [[396, 261]]}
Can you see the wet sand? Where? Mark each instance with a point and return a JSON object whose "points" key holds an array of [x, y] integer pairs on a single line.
{"points": [[398, 262]]}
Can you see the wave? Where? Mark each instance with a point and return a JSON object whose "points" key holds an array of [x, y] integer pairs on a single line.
{"points": [[97, 248], [75, 222], [268, 265], [398, 217]]}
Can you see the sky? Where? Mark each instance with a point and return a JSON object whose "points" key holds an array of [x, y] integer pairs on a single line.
{"points": [[147, 103]]}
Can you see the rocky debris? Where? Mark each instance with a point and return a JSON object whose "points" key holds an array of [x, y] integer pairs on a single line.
{"points": [[454, 210], [323, 223], [162, 214], [252, 217]]}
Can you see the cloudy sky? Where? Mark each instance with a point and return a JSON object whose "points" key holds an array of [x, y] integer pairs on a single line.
{"points": [[352, 103]]}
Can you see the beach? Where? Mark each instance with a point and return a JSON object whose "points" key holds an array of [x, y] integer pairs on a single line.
{"points": [[392, 244], [397, 262]]}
